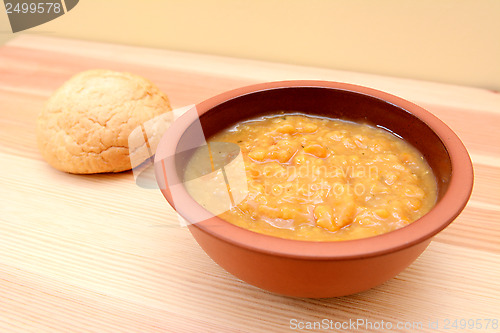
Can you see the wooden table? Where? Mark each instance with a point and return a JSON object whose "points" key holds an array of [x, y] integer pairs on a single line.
{"points": [[99, 254]]}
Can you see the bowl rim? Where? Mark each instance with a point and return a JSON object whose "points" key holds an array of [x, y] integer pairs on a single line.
{"points": [[441, 215]]}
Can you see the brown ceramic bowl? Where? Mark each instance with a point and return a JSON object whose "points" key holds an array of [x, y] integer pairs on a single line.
{"points": [[307, 268]]}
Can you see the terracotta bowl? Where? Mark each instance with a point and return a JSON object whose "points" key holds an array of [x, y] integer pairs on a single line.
{"points": [[306, 268]]}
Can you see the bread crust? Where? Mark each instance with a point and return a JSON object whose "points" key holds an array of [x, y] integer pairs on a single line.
{"points": [[84, 126]]}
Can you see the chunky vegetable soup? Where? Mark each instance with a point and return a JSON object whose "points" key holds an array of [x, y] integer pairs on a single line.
{"points": [[318, 179]]}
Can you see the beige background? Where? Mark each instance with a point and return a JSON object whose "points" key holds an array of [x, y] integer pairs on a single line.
{"points": [[451, 41]]}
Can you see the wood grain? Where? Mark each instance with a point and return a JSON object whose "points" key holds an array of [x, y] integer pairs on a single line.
{"points": [[100, 254]]}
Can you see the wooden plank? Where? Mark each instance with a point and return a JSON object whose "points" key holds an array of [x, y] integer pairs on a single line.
{"points": [[230, 68]]}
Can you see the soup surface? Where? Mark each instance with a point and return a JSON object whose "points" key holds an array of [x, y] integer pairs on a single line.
{"points": [[312, 178]]}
